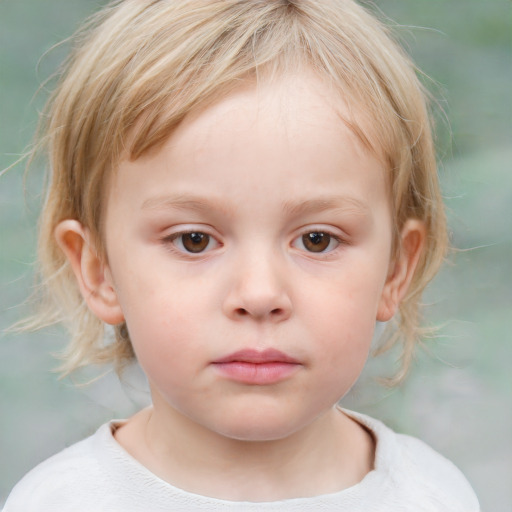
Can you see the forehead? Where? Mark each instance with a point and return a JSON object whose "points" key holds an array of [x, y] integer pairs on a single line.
{"points": [[268, 87], [295, 105], [289, 135]]}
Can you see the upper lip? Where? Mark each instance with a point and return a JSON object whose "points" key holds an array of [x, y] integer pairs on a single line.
{"points": [[255, 356]]}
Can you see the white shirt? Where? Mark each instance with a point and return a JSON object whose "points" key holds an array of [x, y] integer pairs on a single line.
{"points": [[98, 475]]}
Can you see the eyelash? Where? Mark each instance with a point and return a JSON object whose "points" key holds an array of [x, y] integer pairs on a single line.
{"points": [[324, 232], [170, 241]]}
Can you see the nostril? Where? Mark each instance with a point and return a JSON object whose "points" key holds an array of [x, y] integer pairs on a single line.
{"points": [[273, 313]]}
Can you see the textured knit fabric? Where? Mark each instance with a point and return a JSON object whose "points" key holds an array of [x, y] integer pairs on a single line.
{"points": [[98, 475]]}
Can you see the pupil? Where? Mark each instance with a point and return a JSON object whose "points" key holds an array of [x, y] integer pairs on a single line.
{"points": [[316, 241], [195, 242], [316, 238], [196, 237]]}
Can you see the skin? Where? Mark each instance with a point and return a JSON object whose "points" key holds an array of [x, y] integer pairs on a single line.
{"points": [[256, 174]]}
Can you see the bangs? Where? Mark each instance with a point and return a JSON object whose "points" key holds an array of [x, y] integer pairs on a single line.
{"points": [[170, 60]]}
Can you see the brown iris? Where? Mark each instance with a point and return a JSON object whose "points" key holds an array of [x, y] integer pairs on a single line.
{"points": [[316, 241], [195, 242]]}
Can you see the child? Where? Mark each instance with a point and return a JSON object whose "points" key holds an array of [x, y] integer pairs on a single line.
{"points": [[242, 188]]}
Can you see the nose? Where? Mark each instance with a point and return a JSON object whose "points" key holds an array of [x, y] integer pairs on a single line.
{"points": [[257, 290]]}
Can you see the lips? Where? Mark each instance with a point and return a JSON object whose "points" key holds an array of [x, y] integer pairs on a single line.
{"points": [[256, 367]]}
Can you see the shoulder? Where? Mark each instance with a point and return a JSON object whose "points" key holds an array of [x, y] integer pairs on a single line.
{"points": [[438, 476], [417, 473], [61, 479]]}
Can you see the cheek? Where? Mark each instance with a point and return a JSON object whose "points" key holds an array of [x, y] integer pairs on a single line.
{"points": [[344, 319], [166, 350], [346, 303], [162, 323]]}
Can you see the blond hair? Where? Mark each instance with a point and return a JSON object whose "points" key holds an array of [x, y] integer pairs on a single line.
{"points": [[140, 66]]}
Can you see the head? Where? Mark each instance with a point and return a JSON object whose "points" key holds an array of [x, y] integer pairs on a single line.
{"points": [[141, 70]]}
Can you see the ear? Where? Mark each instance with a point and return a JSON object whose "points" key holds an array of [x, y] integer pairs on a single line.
{"points": [[93, 276], [402, 269]]}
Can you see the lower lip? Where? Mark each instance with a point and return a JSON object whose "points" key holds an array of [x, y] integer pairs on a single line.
{"points": [[257, 373]]}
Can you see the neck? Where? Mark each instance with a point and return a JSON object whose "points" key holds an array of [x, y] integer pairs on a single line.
{"points": [[332, 453]]}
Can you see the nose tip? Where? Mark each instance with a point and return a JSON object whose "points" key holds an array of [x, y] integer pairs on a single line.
{"points": [[258, 291]]}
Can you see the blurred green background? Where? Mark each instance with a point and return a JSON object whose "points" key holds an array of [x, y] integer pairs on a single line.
{"points": [[458, 396]]}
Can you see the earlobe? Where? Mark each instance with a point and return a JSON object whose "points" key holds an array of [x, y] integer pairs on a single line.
{"points": [[402, 269], [92, 275]]}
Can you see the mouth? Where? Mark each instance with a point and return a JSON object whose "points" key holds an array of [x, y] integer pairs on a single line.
{"points": [[256, 367]]}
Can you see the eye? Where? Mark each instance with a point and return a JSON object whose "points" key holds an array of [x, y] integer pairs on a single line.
{"points": [[193, 242], [317, 241]]}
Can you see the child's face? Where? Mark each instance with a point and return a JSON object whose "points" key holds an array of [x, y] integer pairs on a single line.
{"points": [[260, 232]]}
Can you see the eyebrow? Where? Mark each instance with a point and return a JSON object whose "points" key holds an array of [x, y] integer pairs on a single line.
{"points": [[185, 202], [318, 205], [293, 208]]}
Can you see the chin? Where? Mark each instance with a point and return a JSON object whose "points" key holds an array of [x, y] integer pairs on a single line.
{"points": [[254, 434], [257, 426]]}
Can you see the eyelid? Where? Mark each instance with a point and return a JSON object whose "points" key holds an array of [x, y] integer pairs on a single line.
{"points": [[169, 239], [330, 231], [336, 233]]}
